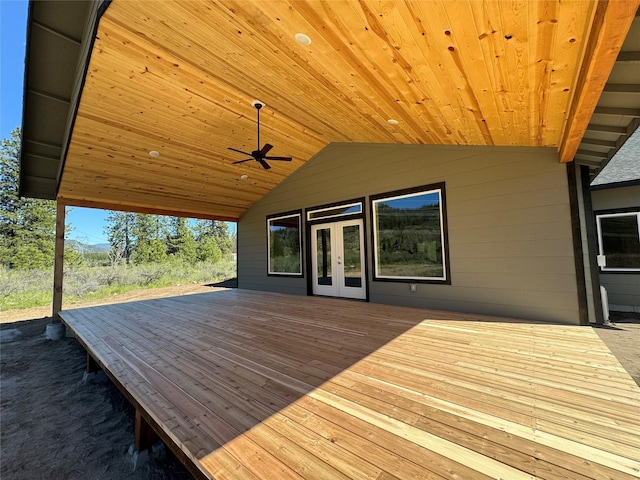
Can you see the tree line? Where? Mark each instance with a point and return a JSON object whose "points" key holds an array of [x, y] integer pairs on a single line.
{"points": [[142, 238], [27, 229]]}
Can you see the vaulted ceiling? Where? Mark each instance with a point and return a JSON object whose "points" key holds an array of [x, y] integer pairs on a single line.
{"points": [[178, 78]]}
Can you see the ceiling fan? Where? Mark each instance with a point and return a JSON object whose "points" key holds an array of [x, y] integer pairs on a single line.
{"points": [[259, 155]]}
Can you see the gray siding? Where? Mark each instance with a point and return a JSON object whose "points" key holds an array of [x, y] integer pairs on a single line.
{"points": [[510, 241], [614, 198], [623, 289]]}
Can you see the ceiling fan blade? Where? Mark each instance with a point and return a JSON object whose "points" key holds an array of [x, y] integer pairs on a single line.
{"points": [[265, 149], [239, 151], [284, 159], [242, 161], [264, 164]]}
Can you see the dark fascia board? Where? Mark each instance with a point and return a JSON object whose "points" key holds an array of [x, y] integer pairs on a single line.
{"points": [[606, 186], [90, 22]]}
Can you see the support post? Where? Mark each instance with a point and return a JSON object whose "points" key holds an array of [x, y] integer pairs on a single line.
{"points": [[56, 329], [144, 436], [92, 365], [58, 267]]}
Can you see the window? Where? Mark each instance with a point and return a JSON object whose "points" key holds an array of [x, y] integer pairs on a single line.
{"points": [[337, 211], [619, 241], [285, 252], [409, 235]]}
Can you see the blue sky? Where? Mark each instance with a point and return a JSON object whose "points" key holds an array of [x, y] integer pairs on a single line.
{"points": [[13, 21], [87, 224]]}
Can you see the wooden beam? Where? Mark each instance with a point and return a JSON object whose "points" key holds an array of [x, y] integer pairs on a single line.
{"points": [[76, 202], [611, 22], [58, 266]]}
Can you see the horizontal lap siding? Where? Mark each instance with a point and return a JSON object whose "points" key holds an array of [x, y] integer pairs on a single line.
{"points": [[623, 289], [511, 250]]}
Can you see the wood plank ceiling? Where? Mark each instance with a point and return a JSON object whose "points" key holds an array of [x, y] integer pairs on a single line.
{"points": [[178, 77]]}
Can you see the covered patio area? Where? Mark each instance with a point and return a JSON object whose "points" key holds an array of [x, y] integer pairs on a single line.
{"points": [[256, 385]]}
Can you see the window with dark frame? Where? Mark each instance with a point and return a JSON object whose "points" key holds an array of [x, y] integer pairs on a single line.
{"points": [[284, 244], [619, 241], [409, 235], [326, 213]]}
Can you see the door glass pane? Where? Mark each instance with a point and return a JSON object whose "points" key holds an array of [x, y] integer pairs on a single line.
{"points": [[352, 264], [323, 255]]}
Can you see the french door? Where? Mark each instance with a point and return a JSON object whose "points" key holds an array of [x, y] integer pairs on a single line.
{"points": [[337, 259]]}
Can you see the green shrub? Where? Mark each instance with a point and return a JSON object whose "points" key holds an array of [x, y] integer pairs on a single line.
{"points": [[24, 289]]}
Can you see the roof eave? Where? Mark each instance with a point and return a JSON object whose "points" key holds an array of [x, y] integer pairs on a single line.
{"points": [[44, 141]]}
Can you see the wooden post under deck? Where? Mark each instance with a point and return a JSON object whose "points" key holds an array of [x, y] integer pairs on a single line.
{"points": [[92, 365], [144, 436], [58, 266]]}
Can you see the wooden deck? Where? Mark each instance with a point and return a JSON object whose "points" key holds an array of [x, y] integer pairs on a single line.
{"points": [[250, 385]]}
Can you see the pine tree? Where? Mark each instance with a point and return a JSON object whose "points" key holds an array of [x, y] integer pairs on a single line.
{"points": [[208, 250], [149, 245], [181, 242], [219, 232], [27, 225], [120, 235]]}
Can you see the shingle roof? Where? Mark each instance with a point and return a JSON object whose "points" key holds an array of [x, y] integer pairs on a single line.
{"points": [[625, 164]]}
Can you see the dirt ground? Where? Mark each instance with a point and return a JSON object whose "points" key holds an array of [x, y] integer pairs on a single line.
{"points": [[54, 426], [623, 339], [133, 295]]}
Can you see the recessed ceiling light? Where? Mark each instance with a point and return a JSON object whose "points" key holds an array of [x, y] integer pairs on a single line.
{"points": [[154, 154], [303, 39], [392, 121], [244, 176]]}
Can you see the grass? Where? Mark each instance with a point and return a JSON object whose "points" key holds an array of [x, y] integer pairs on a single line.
{"points": [[25, 289]]}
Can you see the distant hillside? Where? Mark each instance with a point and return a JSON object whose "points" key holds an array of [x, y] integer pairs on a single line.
{"points": [[84, 248]]}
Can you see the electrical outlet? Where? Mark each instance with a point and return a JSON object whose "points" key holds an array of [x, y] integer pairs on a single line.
{"points": [[414, 287]]}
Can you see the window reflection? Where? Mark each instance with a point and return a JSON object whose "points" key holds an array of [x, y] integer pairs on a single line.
{"points": [[284, 245], [409, 241]]}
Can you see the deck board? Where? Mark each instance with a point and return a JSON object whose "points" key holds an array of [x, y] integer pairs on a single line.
{"points": [[251, 385]]}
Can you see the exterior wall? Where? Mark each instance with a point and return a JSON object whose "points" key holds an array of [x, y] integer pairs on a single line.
{"points": [[509, 224], [623, 289], [614, 198]]}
